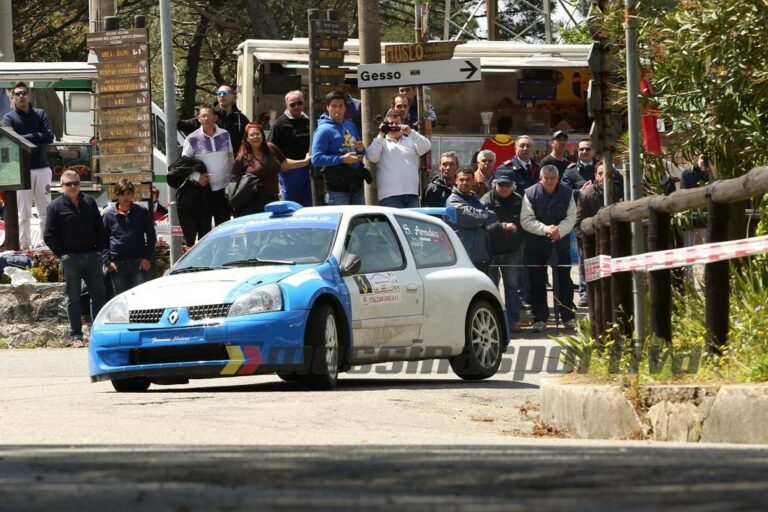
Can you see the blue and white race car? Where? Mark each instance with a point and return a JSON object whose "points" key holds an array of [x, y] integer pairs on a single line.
{"points": [[305, 293]]}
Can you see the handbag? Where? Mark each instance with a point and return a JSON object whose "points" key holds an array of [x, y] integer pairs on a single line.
{"points": [[240, 192]]}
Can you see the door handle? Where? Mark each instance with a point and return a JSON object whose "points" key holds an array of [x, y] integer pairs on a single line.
{"points": [[412, 288]]}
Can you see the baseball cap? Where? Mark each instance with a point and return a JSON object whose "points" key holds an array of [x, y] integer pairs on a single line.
{"points": [[504, 176], [559, 133]]}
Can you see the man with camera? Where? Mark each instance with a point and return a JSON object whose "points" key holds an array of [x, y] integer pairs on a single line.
{"points": [[397, 150]]}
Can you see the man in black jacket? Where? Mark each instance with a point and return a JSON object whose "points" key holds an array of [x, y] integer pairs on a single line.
{"points": [[437, 192], [229, 117], [506, 241], [290, 134], [75, 233]]}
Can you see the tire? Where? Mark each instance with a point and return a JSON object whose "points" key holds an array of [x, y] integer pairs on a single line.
{"points": [[131, 385], [321, 349], [483, 343]]}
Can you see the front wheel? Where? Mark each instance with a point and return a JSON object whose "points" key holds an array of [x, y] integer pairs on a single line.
{"points": [[482, 346], [321, 349], [131, 385]]}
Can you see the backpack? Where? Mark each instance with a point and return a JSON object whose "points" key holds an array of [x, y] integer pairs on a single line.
{"points": [[241, 191], [179, 170]]}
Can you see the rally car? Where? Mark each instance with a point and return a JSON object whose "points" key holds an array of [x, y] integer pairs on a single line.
{"points": [[305, 293]]}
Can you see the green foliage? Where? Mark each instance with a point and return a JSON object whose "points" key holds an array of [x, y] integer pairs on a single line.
{"points": [[575, 35], [162, 261]]}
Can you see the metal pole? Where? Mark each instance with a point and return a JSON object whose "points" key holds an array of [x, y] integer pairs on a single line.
{"points": [[169, 105], [547, 23], [635, 172], [447, 20]]}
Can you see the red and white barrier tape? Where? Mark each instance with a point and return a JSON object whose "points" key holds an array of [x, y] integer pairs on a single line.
{"points": [[603, 266]]}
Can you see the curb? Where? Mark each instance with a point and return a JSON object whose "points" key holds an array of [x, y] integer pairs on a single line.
{"points": [[684, 413]]}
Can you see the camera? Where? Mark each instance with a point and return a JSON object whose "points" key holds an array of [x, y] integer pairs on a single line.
{"points": [[387, 127]]}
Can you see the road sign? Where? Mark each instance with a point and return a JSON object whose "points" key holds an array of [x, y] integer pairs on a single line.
{"points": [[328, 57], [120, 53], [125, 163], [417, 52], [139, 114], [418, 73], [125, 131], [328, 75], [116, 37], [328, 28], [122, 68], [124, 147], [124, 83], [328, 43], [123, 99], [114, 177]]}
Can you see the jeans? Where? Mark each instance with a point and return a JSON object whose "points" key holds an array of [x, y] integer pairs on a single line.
{"points": [[508, 269], [402, 201], [341, 198], [539, 256], [128, 275], [77, 267]]}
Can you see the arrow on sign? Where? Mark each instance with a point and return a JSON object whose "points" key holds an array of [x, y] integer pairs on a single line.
{"points": [[472, 69]]}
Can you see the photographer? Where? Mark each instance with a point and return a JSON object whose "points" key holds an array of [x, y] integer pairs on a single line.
{"points": [[397, 150]]}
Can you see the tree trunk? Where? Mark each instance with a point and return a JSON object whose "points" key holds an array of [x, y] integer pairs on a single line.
{"points": [[264, 26], [6, 32], [189, 93]]}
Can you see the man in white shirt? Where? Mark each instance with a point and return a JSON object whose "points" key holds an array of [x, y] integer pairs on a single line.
{"points": [[397, 150], [212, 145]]}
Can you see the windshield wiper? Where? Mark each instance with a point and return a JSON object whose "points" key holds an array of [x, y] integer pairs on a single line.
{"points": [[253, 262], [190, 269]]}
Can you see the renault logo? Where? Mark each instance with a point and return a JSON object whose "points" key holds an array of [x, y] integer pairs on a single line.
{"points": [[173, 317]]}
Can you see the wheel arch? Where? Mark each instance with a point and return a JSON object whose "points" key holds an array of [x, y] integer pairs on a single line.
{"points": [[493, 301], [345, 333]]}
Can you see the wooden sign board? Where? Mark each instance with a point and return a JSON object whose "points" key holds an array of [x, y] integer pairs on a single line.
{"points": [[114, 177], [328, 28], [139, 114], [138, 66], [328, 57], [417, 52], [328, 75], [125, 163], [123, 147], [125, 131], [126, 99], [328, 43], [123, 83], [115, 38], [320, 91], [122, 53]]}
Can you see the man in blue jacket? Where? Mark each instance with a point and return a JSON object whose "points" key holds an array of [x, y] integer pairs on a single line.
{"points": [[32, 124], [75, 233], [338, 149], [131, 233], [473, 220]]}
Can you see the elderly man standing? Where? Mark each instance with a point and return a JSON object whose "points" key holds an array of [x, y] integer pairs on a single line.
{"points": [[290, 134], [397, 150], [75, 233], [486, 163], [32, 124], [525, 170], [548, 215]]}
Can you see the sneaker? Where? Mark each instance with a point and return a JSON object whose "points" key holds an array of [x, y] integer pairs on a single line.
{"points": [[583, 302], [539, 326], [76, 342], [570, 324]]}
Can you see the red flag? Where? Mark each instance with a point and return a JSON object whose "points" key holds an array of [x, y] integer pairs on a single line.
{"points": [[651, 139]]}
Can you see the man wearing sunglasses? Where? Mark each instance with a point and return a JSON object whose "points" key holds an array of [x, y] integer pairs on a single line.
{"points": [[290, 133], [32, 124], [228, 115]]}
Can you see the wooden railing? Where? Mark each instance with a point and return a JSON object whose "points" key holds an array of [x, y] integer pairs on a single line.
{"points": [[608, 232]]}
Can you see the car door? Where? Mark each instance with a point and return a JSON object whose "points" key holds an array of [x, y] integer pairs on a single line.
{"points": [[387, 292]]}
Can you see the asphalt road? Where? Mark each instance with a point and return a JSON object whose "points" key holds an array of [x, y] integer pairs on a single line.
{"points": [[381, 441]]}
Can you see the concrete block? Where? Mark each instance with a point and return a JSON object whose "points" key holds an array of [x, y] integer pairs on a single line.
{"points": [[739, 415]]}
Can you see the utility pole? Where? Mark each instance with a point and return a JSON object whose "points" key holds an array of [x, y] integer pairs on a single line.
{"points": [[635, 171], [492, 10], [370, 53]]}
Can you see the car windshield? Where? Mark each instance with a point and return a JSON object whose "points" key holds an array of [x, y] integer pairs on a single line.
{"points": [[262, 242]]}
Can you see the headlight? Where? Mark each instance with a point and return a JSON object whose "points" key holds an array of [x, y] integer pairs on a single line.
{"points": [[258, 300], [115, 312]]}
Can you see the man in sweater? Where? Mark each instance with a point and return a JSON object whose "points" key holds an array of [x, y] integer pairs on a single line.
{"points": [[32, 124], [211, 145], [397, 149], [75, 233], [130, 230], [290, 134]]}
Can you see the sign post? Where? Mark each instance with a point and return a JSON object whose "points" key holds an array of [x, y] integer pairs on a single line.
{"points": [[419, 73]]}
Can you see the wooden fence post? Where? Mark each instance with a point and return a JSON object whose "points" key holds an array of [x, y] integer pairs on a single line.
{"points": [[660, 280], [621, 282], [604, 247], [716, 285]]}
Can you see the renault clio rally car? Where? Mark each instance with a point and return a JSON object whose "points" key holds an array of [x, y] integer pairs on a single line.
{"points": [[305, 293]]}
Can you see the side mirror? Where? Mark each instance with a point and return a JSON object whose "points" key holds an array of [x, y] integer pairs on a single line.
{"points": [[350, 264]]}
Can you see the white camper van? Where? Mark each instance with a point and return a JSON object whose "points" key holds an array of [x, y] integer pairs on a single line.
{"points": [[65, 91]]}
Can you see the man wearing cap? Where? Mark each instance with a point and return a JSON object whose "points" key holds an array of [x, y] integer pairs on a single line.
{"points": [[548, 215], [557, 156], [228, 117], [506, 241]]}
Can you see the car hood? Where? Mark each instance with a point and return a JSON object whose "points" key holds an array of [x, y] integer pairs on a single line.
{"points": [[207, 287]]}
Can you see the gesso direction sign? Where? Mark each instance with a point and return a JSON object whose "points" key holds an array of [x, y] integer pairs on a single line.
{"points": [[418, 73]]}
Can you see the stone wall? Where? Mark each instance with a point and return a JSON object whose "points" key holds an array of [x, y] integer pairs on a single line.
{"points": [[33, 315]]}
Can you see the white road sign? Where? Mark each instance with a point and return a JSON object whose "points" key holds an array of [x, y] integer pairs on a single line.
{"points": [[418, 73]]}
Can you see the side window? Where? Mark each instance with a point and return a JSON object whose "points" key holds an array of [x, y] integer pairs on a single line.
{"points": [[159, 134], [429, 242], [374, 241]]}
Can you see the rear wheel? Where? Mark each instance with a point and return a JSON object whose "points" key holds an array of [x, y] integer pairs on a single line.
{"points": [[321, 349], [482, 346], [131, 385]]}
